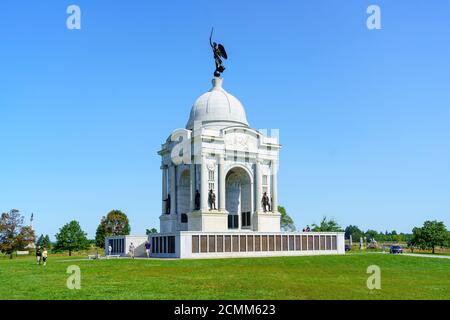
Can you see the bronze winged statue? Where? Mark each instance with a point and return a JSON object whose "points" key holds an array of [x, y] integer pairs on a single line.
{"points": [[219, 53]]}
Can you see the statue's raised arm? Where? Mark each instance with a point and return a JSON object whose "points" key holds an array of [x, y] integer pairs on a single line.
{"points": [[210, 38]]}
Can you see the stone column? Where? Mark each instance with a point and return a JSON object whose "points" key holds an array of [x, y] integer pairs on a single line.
{"points": [[258, 186], [222, 187], [173, 195], [164, 188], [204, 185], [192, 176], [274, 186]]}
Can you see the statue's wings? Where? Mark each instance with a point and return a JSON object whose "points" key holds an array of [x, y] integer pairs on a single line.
{"points": [[223, 53]]}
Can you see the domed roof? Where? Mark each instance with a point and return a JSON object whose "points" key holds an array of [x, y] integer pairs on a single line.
{"points": [[217, 108]]}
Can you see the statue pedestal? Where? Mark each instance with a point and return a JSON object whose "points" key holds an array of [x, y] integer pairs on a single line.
{"points": [[267, 221], [168, 223], [208, 221]]}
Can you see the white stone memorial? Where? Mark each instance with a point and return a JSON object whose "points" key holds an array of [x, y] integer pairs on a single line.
{"points": [[215, 174]]}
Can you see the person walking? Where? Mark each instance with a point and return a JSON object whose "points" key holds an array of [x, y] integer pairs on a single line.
{"points": [[38, 255], [131, 250], [44, 256], [109, 250], [147, 249]]}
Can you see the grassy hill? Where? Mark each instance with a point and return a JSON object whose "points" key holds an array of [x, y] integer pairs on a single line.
{"points": [[314, 277]]}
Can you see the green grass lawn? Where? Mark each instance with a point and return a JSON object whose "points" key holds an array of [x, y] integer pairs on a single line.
{"points": [[314, 277]]}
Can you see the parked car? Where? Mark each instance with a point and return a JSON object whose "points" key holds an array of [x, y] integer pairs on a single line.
{"points": [[396, 250], [347, 248]]}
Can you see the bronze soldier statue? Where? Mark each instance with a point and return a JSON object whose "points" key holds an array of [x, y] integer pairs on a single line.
{"points": [[265, 202], [167, 201], [197, 200], [212, 200]]}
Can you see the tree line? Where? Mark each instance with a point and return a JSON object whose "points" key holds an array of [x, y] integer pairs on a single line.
{"points": [[15, 236], [431, 235]]}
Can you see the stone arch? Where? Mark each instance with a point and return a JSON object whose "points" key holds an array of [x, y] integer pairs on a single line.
{"points": [[240, 166], [238, 189]]}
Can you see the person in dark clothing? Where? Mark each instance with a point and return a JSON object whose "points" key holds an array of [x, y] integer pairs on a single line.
{"points": [[147, 249], [38, 255]]}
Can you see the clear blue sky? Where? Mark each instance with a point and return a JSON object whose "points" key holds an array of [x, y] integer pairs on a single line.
{"points": [[363, 115]]}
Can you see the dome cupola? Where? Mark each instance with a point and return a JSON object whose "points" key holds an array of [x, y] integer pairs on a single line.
{"points": [[217, 108]]}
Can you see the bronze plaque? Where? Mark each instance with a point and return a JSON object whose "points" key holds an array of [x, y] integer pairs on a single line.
{"points": [[322, 242], [264, 243], [212, 243], [242, 242], [195, 245], [235, 243], [203, 243], [298, 242], [328, 246], [227, 243], [257, 243], [278, 243], [219, 243], [271, 243], [291, 243], [249, 243], [310, 243], [284, 243], [304, 243], [316, 243]]}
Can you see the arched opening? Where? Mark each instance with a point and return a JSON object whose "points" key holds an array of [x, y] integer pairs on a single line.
{"points": [[238, 198]]}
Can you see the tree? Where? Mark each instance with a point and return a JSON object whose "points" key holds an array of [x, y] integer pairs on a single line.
{"points": [[353, 231], [114, 224], [287, 224], [71, 237], [371, 234], [100, 234], [431, 235], [25, 237], [327, 226], [151, 231], [415, 240], [13, 234], [44, 241]]}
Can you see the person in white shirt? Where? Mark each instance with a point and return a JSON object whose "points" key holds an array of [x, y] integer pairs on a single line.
{"points": [[44, 256], [109, 250], [131, 250]]}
